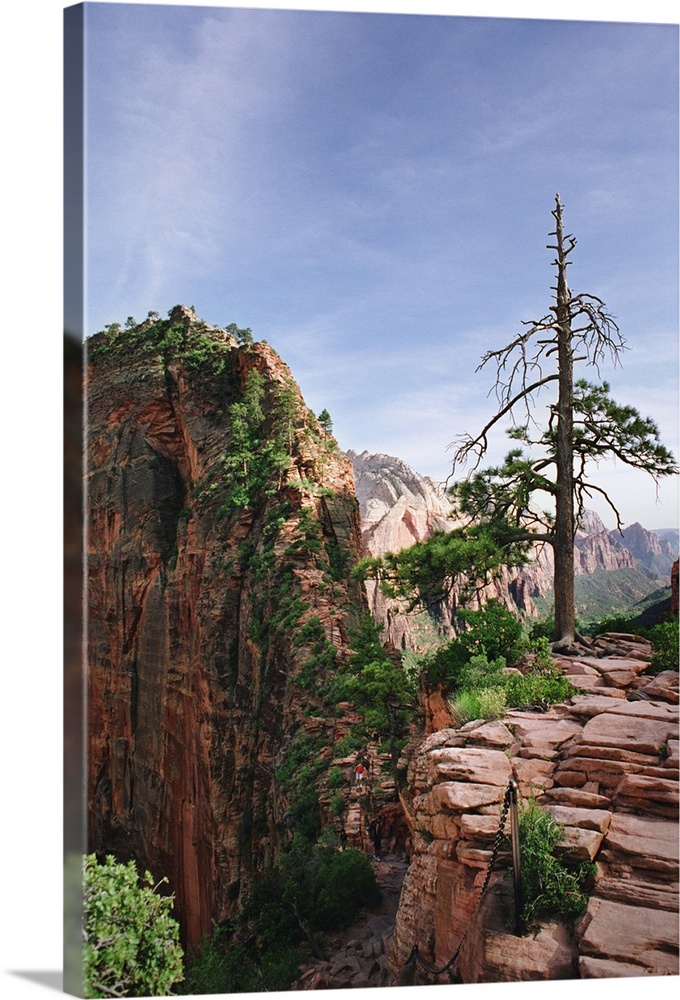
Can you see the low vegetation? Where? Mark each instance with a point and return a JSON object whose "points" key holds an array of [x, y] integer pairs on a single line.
{"points": [[472, 668], [552, 889], [131, 941], [382, 692], [665, 641], [313, 889]]}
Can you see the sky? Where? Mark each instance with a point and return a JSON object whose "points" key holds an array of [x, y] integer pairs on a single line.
{"points": [[618, 192], [371, 194]]}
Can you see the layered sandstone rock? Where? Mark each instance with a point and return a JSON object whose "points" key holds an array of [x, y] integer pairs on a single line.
{"points": [[606, 766], [196, 606]]}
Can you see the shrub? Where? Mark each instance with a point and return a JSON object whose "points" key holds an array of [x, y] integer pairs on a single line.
{"points": [[544, 628], [345, 883], [131, 945], [492, 641], [664, 638], [493, 702], [378, 688], [494, 631], [550, 887], [538, 690], [465, 707], [445, 665], [215, 968], [484, 703], [337, 804], [223, 965], [479, 673], [484, 692], [336, 777]]}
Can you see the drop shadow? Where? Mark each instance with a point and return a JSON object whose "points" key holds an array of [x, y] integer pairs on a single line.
{"points": [[50, 980]]}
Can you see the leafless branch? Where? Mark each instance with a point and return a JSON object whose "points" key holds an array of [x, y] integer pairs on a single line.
{"points": [[479, 444], [588, 489]]}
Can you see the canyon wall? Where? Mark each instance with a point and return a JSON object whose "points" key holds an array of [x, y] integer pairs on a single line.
{"points": [[605, 767], [217, 571]]}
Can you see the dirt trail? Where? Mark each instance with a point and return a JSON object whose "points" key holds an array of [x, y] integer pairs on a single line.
{"points": [[357, 955]]}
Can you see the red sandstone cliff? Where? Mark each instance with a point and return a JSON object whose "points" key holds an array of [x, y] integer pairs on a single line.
{"points": [[606, 767], [194, 607]]}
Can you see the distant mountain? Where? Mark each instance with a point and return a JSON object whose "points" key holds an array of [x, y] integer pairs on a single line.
{"points": [[399, 507], [655, 553]]}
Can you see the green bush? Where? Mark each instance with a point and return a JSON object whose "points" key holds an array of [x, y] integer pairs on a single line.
{"points": [[493, 631], [345, 883], [493, 637], [382, 693], [131, 942], [325, 888], [664, 638], [215, 968], [551, 888], [484, 703], [482, 691], [336, 777], [493, 702], [223, 965], [535, 690], [480, 672]]}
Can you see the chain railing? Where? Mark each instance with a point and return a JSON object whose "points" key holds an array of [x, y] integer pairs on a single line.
{"points": [[510, 803]]}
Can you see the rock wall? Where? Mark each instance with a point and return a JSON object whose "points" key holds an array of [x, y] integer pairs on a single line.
{"points": [[606, 766], [196, 609]]}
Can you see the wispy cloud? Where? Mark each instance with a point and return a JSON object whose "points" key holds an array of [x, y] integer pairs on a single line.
{"points": [[372, 194]]}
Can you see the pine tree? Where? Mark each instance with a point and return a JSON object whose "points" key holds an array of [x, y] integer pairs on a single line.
{"points": [[498, 506]]}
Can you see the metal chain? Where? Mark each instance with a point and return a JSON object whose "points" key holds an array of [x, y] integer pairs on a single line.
{"points": [[415, 954]]}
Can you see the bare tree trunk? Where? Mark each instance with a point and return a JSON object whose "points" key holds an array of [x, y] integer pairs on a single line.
{"points": [[564, 499]]}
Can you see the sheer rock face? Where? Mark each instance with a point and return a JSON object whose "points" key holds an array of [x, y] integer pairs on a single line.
{"points": [[606, 767], [193, 613]]}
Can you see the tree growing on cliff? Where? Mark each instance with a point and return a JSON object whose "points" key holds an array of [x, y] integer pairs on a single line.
{"points": [[498, 506]]}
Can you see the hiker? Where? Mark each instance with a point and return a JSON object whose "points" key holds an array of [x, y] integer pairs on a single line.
{"points": [[359, 773], [375, 833], [343, 840]]}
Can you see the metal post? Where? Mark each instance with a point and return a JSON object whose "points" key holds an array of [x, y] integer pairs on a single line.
{"points": [[516, 871]]}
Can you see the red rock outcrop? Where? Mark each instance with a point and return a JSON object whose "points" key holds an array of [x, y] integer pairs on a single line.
{"points": [[606, 767], [195, 607]]}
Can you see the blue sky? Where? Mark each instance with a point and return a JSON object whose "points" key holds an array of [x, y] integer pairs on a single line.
{"points": [[371, 193]]}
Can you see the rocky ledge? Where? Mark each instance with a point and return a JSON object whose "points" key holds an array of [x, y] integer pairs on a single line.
{"points": [[606, 766]]}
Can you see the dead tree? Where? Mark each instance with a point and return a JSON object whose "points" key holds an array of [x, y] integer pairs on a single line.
{"points": [[584, 424]]}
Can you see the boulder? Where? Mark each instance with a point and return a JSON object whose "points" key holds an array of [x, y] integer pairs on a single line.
{"points": [[458, 796], [547, 955]]}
